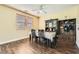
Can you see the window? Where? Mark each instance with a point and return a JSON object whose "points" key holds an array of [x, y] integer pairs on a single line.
{"points": [[29, 22], [20, 22]]}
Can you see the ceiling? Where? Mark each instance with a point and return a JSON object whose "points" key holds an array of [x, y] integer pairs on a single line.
{"points": [[49, 8]]}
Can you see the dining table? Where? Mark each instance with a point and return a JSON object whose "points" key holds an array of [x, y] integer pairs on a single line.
{"points": [[49, 36]]}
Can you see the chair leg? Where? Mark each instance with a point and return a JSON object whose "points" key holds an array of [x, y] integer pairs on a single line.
{"points": [[30, 37], [32, 40], [39, 41], [47, 43], [36, 39]]}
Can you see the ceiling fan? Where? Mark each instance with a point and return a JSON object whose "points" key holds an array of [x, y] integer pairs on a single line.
{"points": [[41, 9]]}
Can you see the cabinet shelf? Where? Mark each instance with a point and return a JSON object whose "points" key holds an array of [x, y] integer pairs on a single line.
{"points": [[51, 25]]}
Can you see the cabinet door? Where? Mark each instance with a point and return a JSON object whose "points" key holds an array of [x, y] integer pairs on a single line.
{"points": [[51, 25], [67, 38]]}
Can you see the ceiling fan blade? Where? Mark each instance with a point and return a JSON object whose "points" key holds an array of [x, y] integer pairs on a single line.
{"points": [[41, 7], [40, 10], [44, 11]]}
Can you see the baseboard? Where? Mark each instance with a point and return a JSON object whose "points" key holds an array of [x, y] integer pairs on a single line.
{"points": [[16, 39]]}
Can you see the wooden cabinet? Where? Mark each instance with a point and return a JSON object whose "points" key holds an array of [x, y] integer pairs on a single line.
{"points": [[66, 40], [51, 25], [67, 33]]}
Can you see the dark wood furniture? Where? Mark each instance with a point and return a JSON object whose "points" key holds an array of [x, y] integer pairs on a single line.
{"points": [[51, 25], [67, 33]]}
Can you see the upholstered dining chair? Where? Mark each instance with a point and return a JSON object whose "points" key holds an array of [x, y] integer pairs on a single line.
{"points": [[55, 39], [33, 35], [42, 39]]}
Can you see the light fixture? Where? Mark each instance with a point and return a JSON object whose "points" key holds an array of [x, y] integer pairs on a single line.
{"points": [[41, 10]]}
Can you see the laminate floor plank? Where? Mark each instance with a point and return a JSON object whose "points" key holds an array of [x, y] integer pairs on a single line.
{"points": [[27, 47]]}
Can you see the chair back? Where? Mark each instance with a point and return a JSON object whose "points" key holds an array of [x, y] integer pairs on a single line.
{"points": [[33, 33], [41, 33]]}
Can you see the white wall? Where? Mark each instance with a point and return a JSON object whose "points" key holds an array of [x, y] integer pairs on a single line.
{"points": [[8, 29]]}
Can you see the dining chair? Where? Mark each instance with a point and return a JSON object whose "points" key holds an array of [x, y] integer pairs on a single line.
{"points": [[34, 37], [42, 39]]}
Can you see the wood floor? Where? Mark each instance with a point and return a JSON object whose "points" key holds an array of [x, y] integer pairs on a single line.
{"points": [[24, 46]]}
